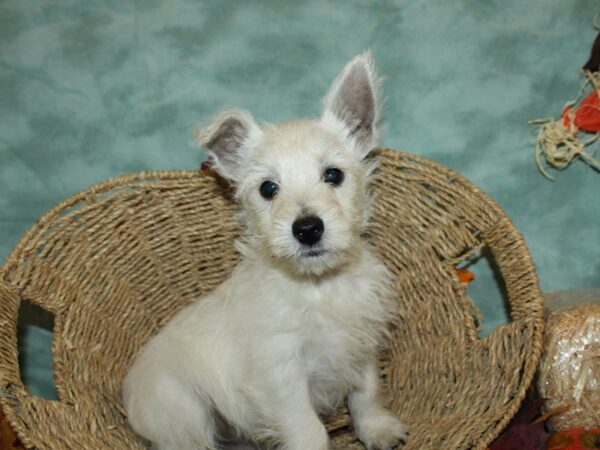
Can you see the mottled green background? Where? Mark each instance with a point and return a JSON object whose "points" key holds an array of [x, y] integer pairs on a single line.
{"points": [[92, 89]]}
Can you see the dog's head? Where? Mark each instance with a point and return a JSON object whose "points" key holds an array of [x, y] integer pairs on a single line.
{"points": [[302, 184]]}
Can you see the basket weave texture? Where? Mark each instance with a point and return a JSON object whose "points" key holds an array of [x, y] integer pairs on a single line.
{"points": [[116, 261]]}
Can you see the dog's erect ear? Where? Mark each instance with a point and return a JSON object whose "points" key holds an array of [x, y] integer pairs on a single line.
{"points": [[227, 139], [352, 102]]}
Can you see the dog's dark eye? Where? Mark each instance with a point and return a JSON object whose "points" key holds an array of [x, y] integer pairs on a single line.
{"points": [[333, 176], [268, 189]]}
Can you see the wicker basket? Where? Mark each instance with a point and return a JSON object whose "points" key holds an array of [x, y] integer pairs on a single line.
{"points": [[116, 261]]}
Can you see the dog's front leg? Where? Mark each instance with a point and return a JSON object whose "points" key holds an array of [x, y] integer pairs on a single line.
{"points": [[298, 422], [375, 426]]}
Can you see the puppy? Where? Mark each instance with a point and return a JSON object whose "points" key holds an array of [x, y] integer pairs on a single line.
{"points": [[295, 331]]}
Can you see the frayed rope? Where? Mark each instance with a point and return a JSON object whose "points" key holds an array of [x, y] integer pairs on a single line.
{"points": [[558, 143]]}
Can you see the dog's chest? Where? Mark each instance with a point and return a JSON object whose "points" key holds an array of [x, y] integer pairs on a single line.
{"points": [[334, 331], [334, 350]]}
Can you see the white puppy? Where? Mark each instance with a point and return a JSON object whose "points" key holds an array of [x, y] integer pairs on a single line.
{"points": [[295, 331]]}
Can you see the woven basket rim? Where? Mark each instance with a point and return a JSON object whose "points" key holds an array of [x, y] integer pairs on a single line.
{"points": [[136, 178]]}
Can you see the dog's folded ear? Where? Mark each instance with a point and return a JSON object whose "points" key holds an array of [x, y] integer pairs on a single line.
{"points": [[228, 139], [351, 105]]}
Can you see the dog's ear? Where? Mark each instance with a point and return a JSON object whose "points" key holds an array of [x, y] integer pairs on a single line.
{"points": [[227, 139], [351, 104]]}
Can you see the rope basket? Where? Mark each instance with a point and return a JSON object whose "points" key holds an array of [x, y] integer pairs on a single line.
{"points": [[116, 261]]}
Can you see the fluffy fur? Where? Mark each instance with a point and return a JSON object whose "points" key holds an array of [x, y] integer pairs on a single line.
{"points": [[294, 332]]}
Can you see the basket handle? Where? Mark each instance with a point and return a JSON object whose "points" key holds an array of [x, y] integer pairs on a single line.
{"points": [[19, 406], [518, 272], [12, 388]]}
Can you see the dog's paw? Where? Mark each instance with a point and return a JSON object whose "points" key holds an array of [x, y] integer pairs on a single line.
{"points": [[382, 431]]}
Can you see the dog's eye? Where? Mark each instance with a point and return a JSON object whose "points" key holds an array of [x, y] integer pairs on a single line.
{"points": [[268, 189], [333, 176]]}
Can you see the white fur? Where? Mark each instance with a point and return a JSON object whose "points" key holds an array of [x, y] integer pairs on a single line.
{"points": [[287, 337]]}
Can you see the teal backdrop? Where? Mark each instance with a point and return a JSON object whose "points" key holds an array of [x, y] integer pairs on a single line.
{"points": [[93, 89]]}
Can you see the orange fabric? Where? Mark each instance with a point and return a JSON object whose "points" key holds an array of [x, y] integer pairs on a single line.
{"points": [[586, 115], [575, 439], [465, 276]]}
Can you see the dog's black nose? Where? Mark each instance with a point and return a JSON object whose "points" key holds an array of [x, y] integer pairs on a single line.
{"points": [[308, 230]]}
